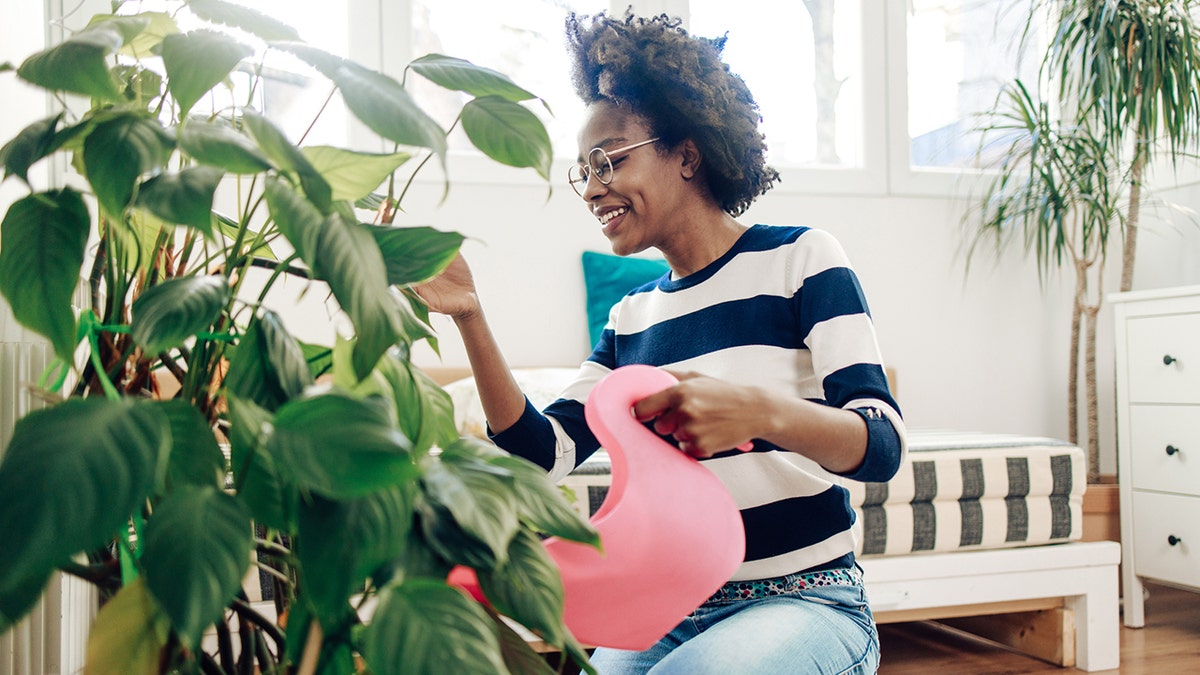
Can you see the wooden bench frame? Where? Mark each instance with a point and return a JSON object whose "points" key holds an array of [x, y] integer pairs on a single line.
{"points": [[1058, 602]]}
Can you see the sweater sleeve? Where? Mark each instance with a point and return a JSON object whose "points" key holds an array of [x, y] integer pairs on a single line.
{"points": [[557, 438], [836, 325]]}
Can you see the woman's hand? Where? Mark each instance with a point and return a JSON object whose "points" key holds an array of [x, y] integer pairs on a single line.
{"points": [[706, 415], [452, 292]]}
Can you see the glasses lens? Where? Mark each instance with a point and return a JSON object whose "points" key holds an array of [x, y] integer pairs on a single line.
{"points": [[601, 166], [577, 175]]}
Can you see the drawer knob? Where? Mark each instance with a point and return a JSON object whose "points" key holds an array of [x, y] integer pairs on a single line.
{"points": [[1168, 359], [1171, 450], [1173, 540]]}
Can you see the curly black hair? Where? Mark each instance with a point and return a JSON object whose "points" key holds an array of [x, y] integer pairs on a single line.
{"points": [[680, 86]]}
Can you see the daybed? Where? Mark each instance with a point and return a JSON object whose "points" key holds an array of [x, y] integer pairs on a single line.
{"points": [[975, 525]]}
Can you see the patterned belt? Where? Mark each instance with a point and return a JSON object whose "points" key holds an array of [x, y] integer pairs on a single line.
{"points": [[789, 584]]}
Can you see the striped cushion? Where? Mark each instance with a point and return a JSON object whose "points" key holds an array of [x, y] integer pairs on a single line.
{"points": [[971, 490], [955, 491]]}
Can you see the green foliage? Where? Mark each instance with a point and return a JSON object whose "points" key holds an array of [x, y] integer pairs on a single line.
{"points": [[357, 483], [1117, 80]]}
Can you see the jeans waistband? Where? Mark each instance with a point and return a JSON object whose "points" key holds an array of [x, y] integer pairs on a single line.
{"points": [[789, 584]]}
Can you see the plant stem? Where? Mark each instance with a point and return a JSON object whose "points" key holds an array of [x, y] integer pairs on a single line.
{"points": [[225, 645], [312, 649], [316, 117], [1129, 252]]}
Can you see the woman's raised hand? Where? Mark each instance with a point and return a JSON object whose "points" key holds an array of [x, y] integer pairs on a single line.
{"points": [[452, 292]]}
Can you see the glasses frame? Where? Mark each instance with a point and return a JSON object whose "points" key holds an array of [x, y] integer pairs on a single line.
{"points": [[579, 174]]}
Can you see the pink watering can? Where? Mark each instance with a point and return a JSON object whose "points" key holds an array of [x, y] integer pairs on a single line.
{"points": [[671, 532]]}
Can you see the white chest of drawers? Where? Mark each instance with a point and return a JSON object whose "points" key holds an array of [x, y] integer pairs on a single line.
{"points": [[1157, 345]]}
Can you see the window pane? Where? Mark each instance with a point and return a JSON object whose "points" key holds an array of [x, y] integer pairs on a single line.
{"points": [[804, 67], [521, 38], [960, 53], [291, 93]]}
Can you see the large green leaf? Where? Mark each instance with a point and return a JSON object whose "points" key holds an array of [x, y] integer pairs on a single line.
{"points": [[197, 548], [120, 150], [170, 312], [19, 598], [42, 242], [185, 197], [422, 625], [353, 175], [220, 146], [542, 505], [297, 218], [237, 16], [339, 446], [196, 458], [271, 501], [518, 656], [198, 61], [144, 44], [425, 412], [129, 634], [477, 494], [348, 259], [33, 143], [269, 367], [319, 357], [130, 27], [462, 75], [443, 542], [379, 101], [528, 588], [106, 451], [342, 543], [79, 64], [508, 133], [415, 254], [288, 157]]}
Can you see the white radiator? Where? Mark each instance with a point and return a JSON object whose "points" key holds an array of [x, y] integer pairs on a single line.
{"points": [[53, 639]]}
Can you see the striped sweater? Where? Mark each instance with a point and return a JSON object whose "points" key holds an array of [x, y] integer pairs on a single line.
{"points": [[782, 309]]}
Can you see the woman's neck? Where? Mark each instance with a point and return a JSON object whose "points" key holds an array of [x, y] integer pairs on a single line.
{"points": [[700, 241]]}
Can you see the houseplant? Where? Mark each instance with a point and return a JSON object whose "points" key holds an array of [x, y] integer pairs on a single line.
{"points": [[1116, 92], [1056, 190], [1133, 65], [354, 493]]}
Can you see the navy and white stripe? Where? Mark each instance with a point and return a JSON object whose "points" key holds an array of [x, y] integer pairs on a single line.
{"points": [[782, 310]]}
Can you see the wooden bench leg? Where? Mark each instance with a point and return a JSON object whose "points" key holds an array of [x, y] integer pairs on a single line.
{"points": [[1097, 620]]}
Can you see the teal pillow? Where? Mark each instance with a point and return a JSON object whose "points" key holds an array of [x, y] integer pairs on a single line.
{"points": [[608, 278]]}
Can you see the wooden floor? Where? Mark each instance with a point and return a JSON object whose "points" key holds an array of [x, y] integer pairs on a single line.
{"points": [[1170, 643]]}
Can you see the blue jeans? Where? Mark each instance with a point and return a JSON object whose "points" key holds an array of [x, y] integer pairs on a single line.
{"points": [[825, 630]]}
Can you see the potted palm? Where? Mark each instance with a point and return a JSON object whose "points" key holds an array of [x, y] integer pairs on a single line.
{"points": [[343, 477], [1116, 92]]}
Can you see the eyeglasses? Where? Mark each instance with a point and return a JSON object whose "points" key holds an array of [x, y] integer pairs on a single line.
{"points": [[599, 165]]}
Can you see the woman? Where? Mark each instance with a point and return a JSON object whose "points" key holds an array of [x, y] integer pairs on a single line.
{"points": [[766, 326]]}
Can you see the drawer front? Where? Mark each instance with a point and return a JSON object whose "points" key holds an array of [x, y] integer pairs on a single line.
{"points": [[1165, 450], [1158, 520], [1164, 358]]}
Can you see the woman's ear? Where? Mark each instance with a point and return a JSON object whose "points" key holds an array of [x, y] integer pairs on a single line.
{"points": [[690, 156]]}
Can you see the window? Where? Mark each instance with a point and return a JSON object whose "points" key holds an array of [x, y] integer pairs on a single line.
{"points": [[291, 93], [804, 67], [520, 38], [965, 51], [856, 97], [956, 57]]}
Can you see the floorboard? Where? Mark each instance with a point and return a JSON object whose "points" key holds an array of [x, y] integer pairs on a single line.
{"points": [[1170, 643]]}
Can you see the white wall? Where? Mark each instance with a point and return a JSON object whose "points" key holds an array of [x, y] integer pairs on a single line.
{"points": [[980, 351]]}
